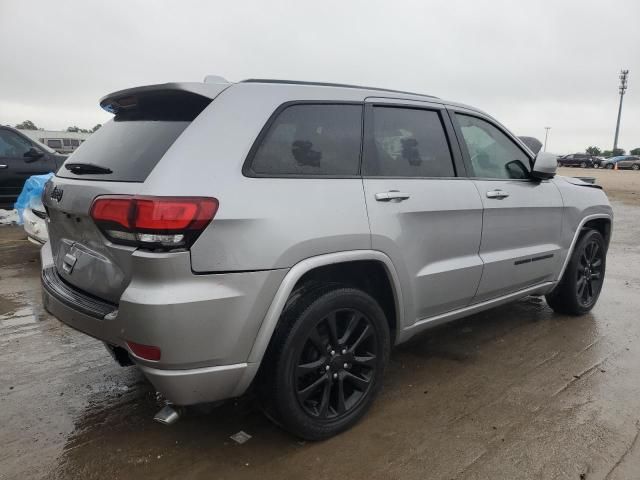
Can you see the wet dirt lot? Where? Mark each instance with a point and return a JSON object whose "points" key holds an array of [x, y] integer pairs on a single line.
{"points": [[516, 392]]}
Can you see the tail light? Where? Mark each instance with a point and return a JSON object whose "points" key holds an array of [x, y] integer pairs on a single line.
{"points": [[148, 352], [157, 223]]}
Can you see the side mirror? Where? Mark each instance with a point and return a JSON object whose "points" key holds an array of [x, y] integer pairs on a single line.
{"points": [[517, 169], [32, 155], [544, 166]]}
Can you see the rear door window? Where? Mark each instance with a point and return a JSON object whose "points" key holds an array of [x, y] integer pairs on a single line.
{"points": [[310, 140], [130, 149], [407, 142]]}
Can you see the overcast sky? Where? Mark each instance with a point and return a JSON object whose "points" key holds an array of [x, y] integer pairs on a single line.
{"points": [[552, 63]]}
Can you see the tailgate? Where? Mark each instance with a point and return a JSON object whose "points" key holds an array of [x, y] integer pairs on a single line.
{"points": [[82, 255], [115, 160]]}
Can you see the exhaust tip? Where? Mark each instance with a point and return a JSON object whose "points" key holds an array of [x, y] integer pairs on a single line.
{"points": [[167, 415]]}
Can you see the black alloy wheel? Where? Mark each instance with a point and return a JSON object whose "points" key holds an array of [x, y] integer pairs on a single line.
{"points": [[589, 273], [326, 360], [579, 288], [337, 364]]}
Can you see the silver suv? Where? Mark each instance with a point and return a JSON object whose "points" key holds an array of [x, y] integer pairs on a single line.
{"points": [[285, 235]]}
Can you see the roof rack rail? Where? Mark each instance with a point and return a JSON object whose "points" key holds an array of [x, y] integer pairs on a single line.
{"points": [[325, 84]]}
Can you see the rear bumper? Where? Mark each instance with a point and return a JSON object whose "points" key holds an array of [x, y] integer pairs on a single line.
{"points": [[85, 316], [182, 387], [200, 385], [204, 325]]}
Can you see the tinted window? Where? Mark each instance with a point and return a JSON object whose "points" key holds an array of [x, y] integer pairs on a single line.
{"points": [[407, 143], [54, 143], [12, 144], [129, 148], [66, 142], [311, 140], [492, 153]]}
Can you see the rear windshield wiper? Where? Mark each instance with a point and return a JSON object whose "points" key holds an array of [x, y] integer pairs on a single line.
{"points": [[86, 168]]}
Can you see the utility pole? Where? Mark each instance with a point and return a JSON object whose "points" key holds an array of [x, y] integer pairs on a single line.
{"points": [[546, 135], [624, 74]]}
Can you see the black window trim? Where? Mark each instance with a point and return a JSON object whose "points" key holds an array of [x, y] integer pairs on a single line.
{"points": [[453, 111], [459, 169], [247, 169]]}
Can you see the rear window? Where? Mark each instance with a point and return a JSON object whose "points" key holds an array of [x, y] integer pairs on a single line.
{"points": [[130, 149], [311, 140]]}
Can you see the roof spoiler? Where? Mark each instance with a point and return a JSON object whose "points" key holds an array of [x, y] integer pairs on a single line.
{"points": [[189, 96]]}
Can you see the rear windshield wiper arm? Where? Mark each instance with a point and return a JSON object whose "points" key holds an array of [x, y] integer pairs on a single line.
{"points": [[86, 168]]}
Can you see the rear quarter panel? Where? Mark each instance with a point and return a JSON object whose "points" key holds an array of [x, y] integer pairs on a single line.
{"points": [[262, 223]]}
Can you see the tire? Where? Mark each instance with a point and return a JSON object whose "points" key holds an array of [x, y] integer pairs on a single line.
{"points": [[635, 166], [581, 283], [609, 166], [583, 165], [316, 383]]}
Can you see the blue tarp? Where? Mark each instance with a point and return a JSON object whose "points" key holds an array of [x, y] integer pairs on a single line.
{"points": [[31, 192]]}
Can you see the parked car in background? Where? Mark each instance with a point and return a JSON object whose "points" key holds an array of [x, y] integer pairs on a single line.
{"points": [[20, 158], [61, 141], [583, 160], [623, 161], [285, 235]]}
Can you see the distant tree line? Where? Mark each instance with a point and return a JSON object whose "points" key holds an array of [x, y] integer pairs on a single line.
{"points": [[29, 125], [593, 150]]}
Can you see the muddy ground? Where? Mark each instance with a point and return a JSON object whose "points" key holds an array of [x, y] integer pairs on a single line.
{"points": [[514, 393]]}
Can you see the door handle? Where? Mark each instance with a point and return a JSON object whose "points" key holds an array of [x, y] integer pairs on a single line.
{"points": [[392, 196], [4, 166], [498, 194]]}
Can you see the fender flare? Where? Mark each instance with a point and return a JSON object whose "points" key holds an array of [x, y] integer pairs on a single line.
{"points": [[286, 287], [575, 238], [297, 271]]}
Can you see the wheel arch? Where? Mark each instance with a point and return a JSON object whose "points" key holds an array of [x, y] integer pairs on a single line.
{"points": [[320, 267], [602, 225], [601, 222]]}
